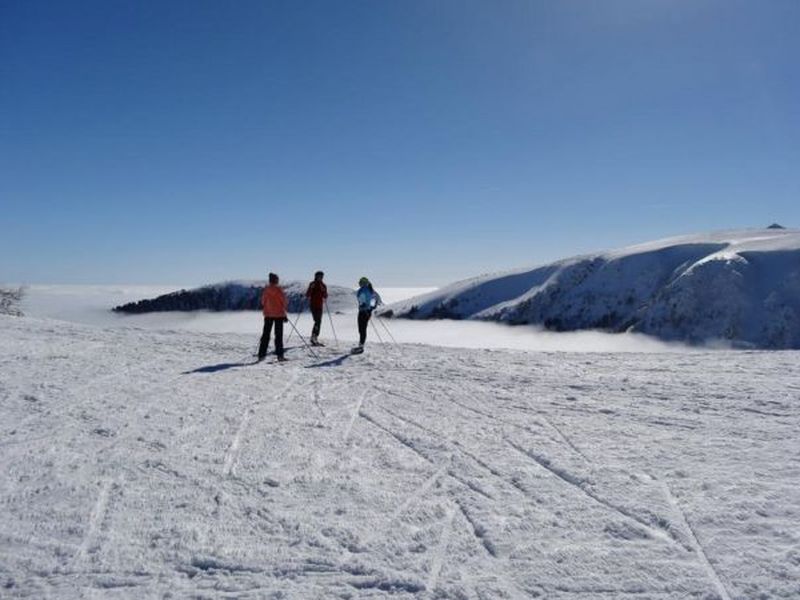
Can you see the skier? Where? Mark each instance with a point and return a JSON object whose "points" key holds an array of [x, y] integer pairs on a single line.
{"points": [[273, 301], [368, 300], [317, 293]]}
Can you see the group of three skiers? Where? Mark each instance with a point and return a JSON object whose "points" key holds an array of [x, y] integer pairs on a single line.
{"points": [[274, 304]]}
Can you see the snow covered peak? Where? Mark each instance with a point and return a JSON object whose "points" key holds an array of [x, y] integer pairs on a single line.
{"points": [[741, 286]]}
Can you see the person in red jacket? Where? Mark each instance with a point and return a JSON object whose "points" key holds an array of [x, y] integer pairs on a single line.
{"points": [[273, 301], [317, 293]]}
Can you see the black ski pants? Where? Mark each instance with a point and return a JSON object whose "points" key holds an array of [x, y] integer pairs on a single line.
{"points": [[262, 348], [363, 321], [316, 314]]}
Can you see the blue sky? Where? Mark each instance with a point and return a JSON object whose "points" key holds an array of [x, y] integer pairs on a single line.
{"points": [[415, 142]]}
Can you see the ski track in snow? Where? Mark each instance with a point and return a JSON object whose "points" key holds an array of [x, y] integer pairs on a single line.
{"points": [[459, 448], [697, 546], [411, 446], [233, 450], [578, 485], [478, 530], [354, 415], [439, 554], [408, 471], [417, 494], [567, 440], [95, 521]]}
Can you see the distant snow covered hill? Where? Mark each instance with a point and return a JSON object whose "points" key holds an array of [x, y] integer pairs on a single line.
{"points": [[235, 295], [739, 286], [10, 300]]}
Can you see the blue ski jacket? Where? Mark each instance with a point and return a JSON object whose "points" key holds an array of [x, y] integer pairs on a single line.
{"points": [[367, 299]]}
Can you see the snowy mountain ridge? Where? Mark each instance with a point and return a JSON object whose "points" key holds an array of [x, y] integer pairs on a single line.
{"points": [[10, 300], [235, 295], [740, 286]]}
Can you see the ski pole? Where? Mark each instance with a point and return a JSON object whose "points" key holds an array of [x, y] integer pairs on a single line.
{"points": [[258, 346], [380, 339], [307, 347], [294, 326], [335, 337], [386, 327]]}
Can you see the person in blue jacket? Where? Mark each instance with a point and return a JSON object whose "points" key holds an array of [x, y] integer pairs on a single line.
{"points": [[368, 300]]}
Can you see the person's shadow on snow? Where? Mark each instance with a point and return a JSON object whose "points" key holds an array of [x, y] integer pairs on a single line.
{"points": [[219, 367], [334, 362]]}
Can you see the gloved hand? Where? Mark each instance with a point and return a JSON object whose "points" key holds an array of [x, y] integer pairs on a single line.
{"points": [[285, 319]]}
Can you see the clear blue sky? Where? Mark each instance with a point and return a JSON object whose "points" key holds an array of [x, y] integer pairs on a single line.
{"points": [[416, 142]]}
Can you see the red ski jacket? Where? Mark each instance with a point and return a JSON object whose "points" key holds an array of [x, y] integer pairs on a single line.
{"points": [[317, 294], [274, 302]]}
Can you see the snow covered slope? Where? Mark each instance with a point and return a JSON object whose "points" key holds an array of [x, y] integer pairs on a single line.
{"points": [[236, 295], [139, 464], [739, 286]]}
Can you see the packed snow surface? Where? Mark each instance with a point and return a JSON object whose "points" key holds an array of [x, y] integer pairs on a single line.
{"points": [[742, 287], [140, 463]]}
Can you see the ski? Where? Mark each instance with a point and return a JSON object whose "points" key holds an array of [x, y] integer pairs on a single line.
{"points": [[270, 362]]}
